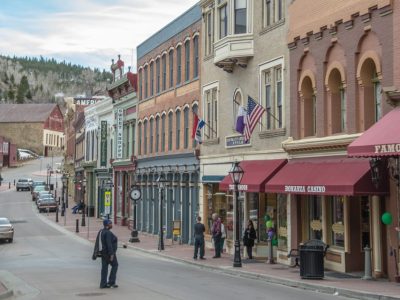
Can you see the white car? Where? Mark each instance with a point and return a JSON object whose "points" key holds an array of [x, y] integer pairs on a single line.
{"points": [[6, 230]]}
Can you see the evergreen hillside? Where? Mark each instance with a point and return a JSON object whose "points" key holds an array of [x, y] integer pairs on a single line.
{"points": [[33, 80]]}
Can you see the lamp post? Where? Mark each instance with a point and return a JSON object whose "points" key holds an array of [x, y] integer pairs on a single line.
{"points": [[135, 195], [236, 173], [64, 180], [161, 186], [83, 189]]}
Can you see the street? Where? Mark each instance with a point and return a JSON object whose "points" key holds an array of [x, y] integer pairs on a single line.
{"points": [[46, 262]]}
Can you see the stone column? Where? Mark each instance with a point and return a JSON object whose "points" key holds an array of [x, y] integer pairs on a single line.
{"points": [[376, 237]]}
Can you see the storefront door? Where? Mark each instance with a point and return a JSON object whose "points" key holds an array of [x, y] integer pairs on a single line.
{"points": [[315, 217]]}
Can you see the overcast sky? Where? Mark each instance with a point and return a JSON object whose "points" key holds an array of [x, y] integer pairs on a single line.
{"points": [[85, 32]]}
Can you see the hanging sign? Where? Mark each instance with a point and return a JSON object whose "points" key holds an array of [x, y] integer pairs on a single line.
{"points": [[120, 128], [103, 144]]}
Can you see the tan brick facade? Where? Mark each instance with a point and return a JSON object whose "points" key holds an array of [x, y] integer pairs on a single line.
{"points": [[24, 135]]}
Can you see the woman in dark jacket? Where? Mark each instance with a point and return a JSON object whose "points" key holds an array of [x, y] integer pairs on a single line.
{"points": [[248, 238]]}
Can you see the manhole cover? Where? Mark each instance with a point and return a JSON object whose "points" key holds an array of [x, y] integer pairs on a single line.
{"points": [[18, 221], [90, 294]]}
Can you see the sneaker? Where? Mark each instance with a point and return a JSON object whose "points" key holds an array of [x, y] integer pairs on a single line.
{"points": [[113, 286], [105, 287]]}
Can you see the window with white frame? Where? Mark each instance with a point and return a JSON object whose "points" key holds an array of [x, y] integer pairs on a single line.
{"points": [[240, 16], [209, 36], [196, 56], [223, 20], [157, 134], [211, 113], [140, 84], [170, 130], [146, 80], [273, 11], [157, 75], [178, 65], [151, 79], [140, 139], [271, 88], [151, 131], [178, 129], [164, 72], [163, 133], [145, 137], [186, 127], [187, 60]]}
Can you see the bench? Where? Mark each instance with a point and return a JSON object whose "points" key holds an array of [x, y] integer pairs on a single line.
{"points": [[295, 253]]}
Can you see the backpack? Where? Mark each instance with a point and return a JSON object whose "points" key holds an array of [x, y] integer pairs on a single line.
{"points": [[98, 246]]}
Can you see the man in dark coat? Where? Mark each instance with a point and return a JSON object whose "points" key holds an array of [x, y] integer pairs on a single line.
{"points": [[199, 230], [216, 234], [109, 257]]}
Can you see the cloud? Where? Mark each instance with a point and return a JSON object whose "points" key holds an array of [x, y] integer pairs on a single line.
{"points": [[88, 32]]}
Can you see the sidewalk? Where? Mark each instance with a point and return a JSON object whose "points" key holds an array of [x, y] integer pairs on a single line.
{"points": [[334, 283]]}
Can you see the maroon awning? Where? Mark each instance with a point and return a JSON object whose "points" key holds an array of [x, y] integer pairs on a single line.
{"points": [[382, 139], [340, 176], [256, 174]]}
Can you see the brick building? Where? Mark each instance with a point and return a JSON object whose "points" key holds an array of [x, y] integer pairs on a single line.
{"points": [[341, 57], [169, 92], [38, 127]]}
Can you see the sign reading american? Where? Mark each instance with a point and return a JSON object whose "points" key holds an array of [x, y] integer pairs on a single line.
{"points": [[387, 148]]}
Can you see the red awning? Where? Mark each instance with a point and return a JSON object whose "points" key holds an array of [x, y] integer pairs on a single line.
{"points": [[382, 139], [340, 176], [256, 174]]}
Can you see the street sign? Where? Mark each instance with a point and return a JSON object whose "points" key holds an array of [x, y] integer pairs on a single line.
{"points": [[107, 202]]}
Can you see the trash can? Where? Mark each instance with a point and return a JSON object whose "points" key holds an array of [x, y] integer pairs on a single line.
{"points": [[311, 261]]}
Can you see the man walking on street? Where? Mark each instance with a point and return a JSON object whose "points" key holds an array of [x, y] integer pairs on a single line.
{"points": [[199, 230], [110, 244], [216, 234]]}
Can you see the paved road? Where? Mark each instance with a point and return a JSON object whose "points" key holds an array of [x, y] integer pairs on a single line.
{"points": [[46, 263]]}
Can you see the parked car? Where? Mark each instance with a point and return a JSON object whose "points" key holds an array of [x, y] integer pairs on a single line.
{"points": [[6, 230], [23, 184], [48, 204], [36, 190], [36, 183], [43, 196]]}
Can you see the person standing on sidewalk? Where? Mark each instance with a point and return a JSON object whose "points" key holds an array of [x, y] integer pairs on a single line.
{"points": [[248, 238], [223, 236], [216, 235], [199, 230], [109, 257]]}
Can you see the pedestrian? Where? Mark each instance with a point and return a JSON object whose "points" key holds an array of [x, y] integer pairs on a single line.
{"points": [[223, 236], [109, 257], [216, 234], [248, 238], [199, 230]]}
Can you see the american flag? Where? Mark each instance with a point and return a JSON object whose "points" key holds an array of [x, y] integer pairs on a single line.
{"points": [[254, 113]]}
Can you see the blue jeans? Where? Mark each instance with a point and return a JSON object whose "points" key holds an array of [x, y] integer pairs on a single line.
{"points": [[105, 261]]}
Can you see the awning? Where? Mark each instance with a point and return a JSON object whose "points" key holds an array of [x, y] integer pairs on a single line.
{"points": [[256, 174], [382, 139], [340, 176]]}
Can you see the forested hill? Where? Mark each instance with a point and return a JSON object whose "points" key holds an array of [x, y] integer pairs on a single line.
{"points": [[31, 80]]}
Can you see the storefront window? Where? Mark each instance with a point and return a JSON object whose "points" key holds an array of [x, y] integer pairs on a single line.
{"points": [[268, 212], [253, 210], [218, 203], [337, 217], [282, 222], [315, 217]]}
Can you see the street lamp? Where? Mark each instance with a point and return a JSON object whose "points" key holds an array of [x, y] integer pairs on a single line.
{"points": [[64, 180], [161, 182], [236, 175], [135, 195], [83, 189]]}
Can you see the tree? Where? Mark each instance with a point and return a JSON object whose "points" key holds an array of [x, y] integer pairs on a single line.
{"points": [[11, 94], [23, 88]]}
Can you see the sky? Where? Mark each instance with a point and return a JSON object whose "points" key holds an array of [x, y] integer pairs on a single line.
{"points": [[84, 32]]}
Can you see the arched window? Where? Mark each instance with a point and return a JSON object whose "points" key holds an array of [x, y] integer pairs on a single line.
{"points": [[151, 79], [164, 72], [309, 120], [157, 75], [170, 130], [195, 110], [145, 137], [146, 80], [171, 68], [178, 65], [157, 134], [163, 133], [140, 139], [178, 129], [196, 56], [186, 128], [187, 60], [336, 97], [140, 85], [151, 134]]}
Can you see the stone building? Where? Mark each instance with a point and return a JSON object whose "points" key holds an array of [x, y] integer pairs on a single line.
{"points": [[37, 127], [245, 54], [169, 94]]}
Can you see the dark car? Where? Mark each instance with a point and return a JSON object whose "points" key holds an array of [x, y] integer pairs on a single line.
{"points": [[23, 184], [36, 190], [48, 204], [43, 195]]}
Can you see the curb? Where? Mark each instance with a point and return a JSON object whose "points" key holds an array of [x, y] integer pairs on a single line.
{"points": [[274, 280], [8, 293]]}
